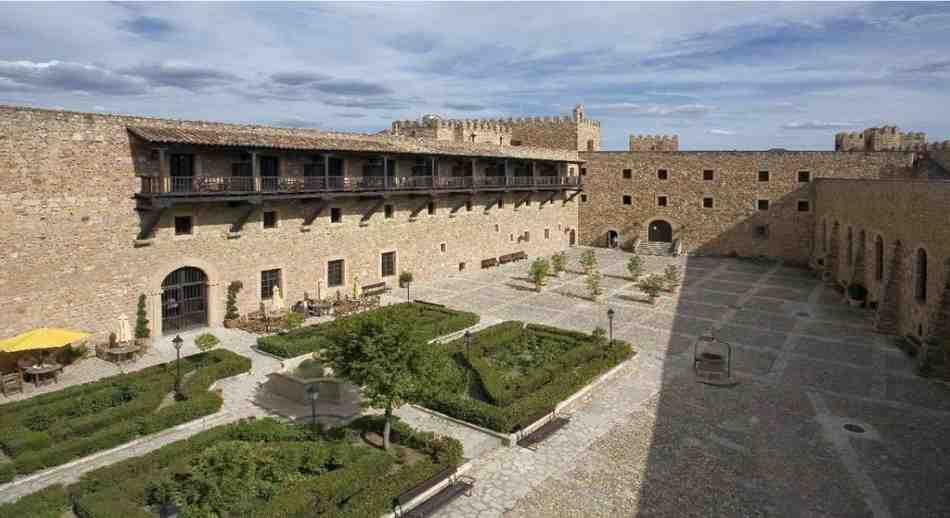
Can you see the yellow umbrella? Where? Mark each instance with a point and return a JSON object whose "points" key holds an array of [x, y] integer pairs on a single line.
{"points": [[42, 338]]}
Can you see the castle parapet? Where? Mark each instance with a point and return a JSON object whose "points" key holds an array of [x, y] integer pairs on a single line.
{"points": [[654, 143]]}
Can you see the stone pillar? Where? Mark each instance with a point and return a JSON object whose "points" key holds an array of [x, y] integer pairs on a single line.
{"points": [[886, 320]]}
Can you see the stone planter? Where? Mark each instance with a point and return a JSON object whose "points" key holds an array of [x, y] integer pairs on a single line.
{"points": [[231, 323]]}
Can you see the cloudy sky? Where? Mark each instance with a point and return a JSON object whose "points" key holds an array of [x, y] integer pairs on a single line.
{"points": [[722, 76]]}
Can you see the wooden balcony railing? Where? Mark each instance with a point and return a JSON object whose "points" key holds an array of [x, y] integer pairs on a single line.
{"points": [[237, 185]]}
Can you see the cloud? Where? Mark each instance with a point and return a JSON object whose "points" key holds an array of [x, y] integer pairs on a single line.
{"points": [[350, 115], [414, 42], [465, 107], [385, 103], [720, 132], [148, 26], [817, 125], [298, 78], [351, 87], [655, 110], [70, 77], [182, 76], [292, 122]]}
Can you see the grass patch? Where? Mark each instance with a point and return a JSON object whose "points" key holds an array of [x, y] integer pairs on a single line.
{"points": [[430, 320], [513, 374], [55, 428], [50, 502]]}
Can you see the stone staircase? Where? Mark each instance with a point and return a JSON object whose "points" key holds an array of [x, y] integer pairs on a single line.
{"points": [[655, 248]]}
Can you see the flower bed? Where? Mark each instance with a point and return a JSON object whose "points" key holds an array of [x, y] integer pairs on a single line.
{"points": [[55, 428], [430, 320], [265, 468], [520, 373]]}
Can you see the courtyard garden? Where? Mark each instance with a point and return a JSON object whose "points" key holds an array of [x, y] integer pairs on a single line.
{"points": [[256, 468], [54, 428], [428, 320], [512, 374]]}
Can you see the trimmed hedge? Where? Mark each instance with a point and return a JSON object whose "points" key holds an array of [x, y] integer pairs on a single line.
{"points": [[430, 320], [7, 472], [70, 434], [50, 502], [518, 403]]}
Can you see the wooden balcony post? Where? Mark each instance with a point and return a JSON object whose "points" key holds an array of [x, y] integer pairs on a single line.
{"points": [[385, 172], [326, 171], [474, 171], [256, 171], [507, 172]]}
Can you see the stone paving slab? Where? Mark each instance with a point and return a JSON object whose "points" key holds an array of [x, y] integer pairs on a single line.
{"points": [[752, 337], [858, 355], [768, 321], [828, 376]]}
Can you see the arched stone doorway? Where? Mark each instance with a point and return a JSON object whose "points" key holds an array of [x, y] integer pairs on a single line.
{"points": [[661, 230], [613, 239], [184, 300]]}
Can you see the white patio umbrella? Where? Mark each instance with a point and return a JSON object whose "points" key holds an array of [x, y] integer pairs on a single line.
{"points": [[277, 301], [123, 332]]}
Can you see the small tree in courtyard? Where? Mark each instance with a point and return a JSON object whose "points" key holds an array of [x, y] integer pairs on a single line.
{"points": [[652, 286], [588, 261], [384, 356], [672, 277], [558, 262], [538, 272], [141, 319], [635, 267], [231, 311], [405, 279], [593, 284]]}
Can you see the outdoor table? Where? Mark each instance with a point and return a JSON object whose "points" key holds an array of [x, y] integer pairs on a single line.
{"points": [[124, 352], [38, 371]]}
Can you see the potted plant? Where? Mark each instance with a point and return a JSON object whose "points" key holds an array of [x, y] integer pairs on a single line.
{"points": [[593, 285], [672, 277], [141, 323], [635, 267], [405, 279], [857, 294], [588, 261], [538, 272], [231, 315], [558, 263], [652, 286]]}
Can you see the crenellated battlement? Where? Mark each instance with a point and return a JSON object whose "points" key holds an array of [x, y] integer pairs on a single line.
{"points": [[654, 143], [884, 138]]}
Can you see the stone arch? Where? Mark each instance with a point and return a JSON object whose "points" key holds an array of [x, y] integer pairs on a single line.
{"points": [[154, 293], [612, 238], [667, 225]]}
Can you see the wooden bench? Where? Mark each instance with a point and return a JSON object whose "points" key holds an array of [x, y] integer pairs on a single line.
{"points": [[490, 262], [375, 289], [546, 430], [507, 258], [458, 485], [520, 256]]}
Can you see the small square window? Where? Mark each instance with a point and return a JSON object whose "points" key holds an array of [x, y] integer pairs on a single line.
{"points": [[662, 174], [583, 171], [431, 208], [547, 233], [803, 206], [336, 215], [763, 176], [270, 219], [627, 199], [763, 204], [468, 205], [461, 267], [709, 175], [762, 231], [627, 174], [183, 225], [707, 202], [388, 212], [583, 198], [804, 176], [661, 201], [442, 248]]}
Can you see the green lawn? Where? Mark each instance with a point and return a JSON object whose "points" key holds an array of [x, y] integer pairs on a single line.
{"points": [[430, 320], [513, 374], [57, 427], [257, 469]]}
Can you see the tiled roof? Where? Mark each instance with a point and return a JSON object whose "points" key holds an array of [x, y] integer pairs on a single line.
{"points": [[313, 141]]}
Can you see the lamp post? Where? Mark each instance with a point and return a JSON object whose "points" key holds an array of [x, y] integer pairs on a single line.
{"points": [[408, 299], [314, 392], [610, 323], [468, 344], [177, 341]]}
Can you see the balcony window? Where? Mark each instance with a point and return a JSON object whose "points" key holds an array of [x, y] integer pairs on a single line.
{"points": [[335, 273], [270, 166], [181, 164], [241, 169], [269, 280]]}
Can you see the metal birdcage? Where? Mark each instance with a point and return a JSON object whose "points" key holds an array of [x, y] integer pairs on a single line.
{"points": [[712, 361]]}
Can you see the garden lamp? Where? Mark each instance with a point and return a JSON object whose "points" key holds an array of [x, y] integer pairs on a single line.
{"points": [[610, 323], [314, 392], [177, 341]]}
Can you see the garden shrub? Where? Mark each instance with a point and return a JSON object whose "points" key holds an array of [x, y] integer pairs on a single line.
{"points": [[7, 472], [50, 502], [206, 341]]}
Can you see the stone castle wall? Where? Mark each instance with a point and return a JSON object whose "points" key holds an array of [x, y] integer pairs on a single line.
{"points": [[654, 143], [885, 138], [732, 225], [69, 224], [911, 212]]}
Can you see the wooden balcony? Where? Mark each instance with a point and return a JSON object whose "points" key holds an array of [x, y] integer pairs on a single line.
{"points": [[235, 187]]}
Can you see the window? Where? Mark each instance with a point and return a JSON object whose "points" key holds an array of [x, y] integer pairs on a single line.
{"points": [[763, 204], [527, 236], [627, 199], [468, 205], [709, 175], [183, 225], [803, 206], [511, 237], [336, 215], [762, 231], [501, 203], [583, 171], [804, 176], [627, 174], [241, 169], [270, 219], [547, 233], [388, 211], [387, 266], [662, 174], [879, 258], [270, 279], [707, 202], [442, 248], [430, 208], [181, 165], [763, 176], [461, 267], [335, 273], [583, 198], [527, 202], [497, 227], [661, 201], [920, 276]]}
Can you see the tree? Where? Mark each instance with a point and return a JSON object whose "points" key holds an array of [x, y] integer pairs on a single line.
{"points": [[405, 279], [593, 284], [383, 355], [672, 277], [558, 262], [231, 311], [538, 272], [652, 286], [141, 319], [588, 261], [635, 267]]}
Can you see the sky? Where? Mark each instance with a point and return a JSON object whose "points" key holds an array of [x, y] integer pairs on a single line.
{"points": [[719, 75]]}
